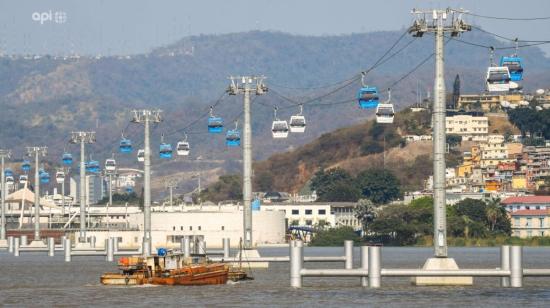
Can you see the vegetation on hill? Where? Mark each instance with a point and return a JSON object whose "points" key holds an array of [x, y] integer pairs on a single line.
{"points": [[530, 121], [469, 218], [228, 187]]}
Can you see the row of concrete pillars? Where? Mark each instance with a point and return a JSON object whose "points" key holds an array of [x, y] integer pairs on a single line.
{"points": [[370, 271]]}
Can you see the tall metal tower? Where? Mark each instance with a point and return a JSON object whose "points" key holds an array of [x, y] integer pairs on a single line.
{"points": [[3, 155], [170, 184], [439, 22], [83, 138], [37, 152], [246, 85], [146, 116]]}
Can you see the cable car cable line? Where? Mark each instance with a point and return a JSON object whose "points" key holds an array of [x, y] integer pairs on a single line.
{"points": [[508, 18], [507, 38]]}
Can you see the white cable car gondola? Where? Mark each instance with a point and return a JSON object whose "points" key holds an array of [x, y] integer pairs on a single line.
{"points": [[23, 179], [297, 122], [182, 147], [9, 180], [385, 112], [498, 77], [110, 165], [141, 155], [60, 177], [279, 128]]}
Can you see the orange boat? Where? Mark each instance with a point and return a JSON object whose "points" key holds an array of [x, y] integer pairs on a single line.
{"points": [[167, 269]]}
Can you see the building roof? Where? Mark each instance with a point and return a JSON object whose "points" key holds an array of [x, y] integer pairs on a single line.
{"points": [[527, 199], [531, 213]]}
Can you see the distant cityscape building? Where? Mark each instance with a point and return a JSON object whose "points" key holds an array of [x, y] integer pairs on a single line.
{"points": [[469, 127]]}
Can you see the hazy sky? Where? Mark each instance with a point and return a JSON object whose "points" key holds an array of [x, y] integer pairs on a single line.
{"points": [[136, 26]]}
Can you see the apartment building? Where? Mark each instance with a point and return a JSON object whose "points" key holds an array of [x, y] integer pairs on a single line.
{"points": [[469, 127], [529, 223]]}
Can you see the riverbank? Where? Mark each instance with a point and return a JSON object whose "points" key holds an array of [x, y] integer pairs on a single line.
{"points": [[427, 241]]}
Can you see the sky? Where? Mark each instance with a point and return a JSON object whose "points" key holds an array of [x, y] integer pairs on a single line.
{"points": [[121, 27]]}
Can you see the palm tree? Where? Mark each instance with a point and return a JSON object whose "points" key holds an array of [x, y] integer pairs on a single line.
{"points": [[365, 212]]}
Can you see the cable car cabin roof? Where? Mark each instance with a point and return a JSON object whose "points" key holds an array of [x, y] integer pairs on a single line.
{"points": [[367, 93], [279, 126], [505, 61], [183, 146], [385, 109], [498, 74], [215, 122], [297, 121], [166, 147]]}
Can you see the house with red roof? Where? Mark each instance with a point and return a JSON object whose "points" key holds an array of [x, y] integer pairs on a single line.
{"points": [[513, 204]]}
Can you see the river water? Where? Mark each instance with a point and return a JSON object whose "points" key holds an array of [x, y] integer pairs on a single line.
{"points": [[36, 280]]}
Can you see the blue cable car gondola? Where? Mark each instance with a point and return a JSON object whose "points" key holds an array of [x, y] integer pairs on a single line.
{"points": [[8, 172], [92, 166], [368, 97], [26, 166], [514, 65], [129, 189], [125, 145], [165, 150], [233, 137], [215, 124], [44, 177], [67, 159]]}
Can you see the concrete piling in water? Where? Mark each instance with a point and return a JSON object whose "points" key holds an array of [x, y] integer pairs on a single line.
{"points": [[296, 263], [92, 241], [16, 246], [67, 248], [348, 252], [364, 264], [516, 266], [110, 249], [226, 246], [10, 244], [63, 238], [24, 240], [374, 267], [51, 246], [505, 264], [115, 244]]}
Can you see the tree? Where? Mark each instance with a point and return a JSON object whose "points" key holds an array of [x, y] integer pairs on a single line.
{"points": [[454, 140], [379, 185], [365, 212], [335, 185], [228, 187], [334, 237]]}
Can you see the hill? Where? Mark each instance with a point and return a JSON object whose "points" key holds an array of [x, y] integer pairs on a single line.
{"points": [[43, 100]]}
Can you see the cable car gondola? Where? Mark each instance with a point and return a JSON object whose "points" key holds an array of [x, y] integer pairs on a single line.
{"points": [[129, 189], [182, 147], [67, 159], [26, 166], [44, 177], [8, 172], [60, 177], [141, 155], [233, 137], [110, 165], [23, 179], [498, 77], [367, 96], [165, 149], [92, 166], [279, 128], [215, 124], [514, 65], [385, 112], [297, 122], [125, 145], [9, 180]]}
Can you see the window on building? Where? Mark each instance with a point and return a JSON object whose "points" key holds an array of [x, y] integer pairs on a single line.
{"points": [[174, 228], [322, 212], [529, 222], [181, 228], [223, 228], [199, 228], [529, 233], [516, 221], [295, 212], [309, 222], [309, 212], [541, 221], [190, 228]]}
